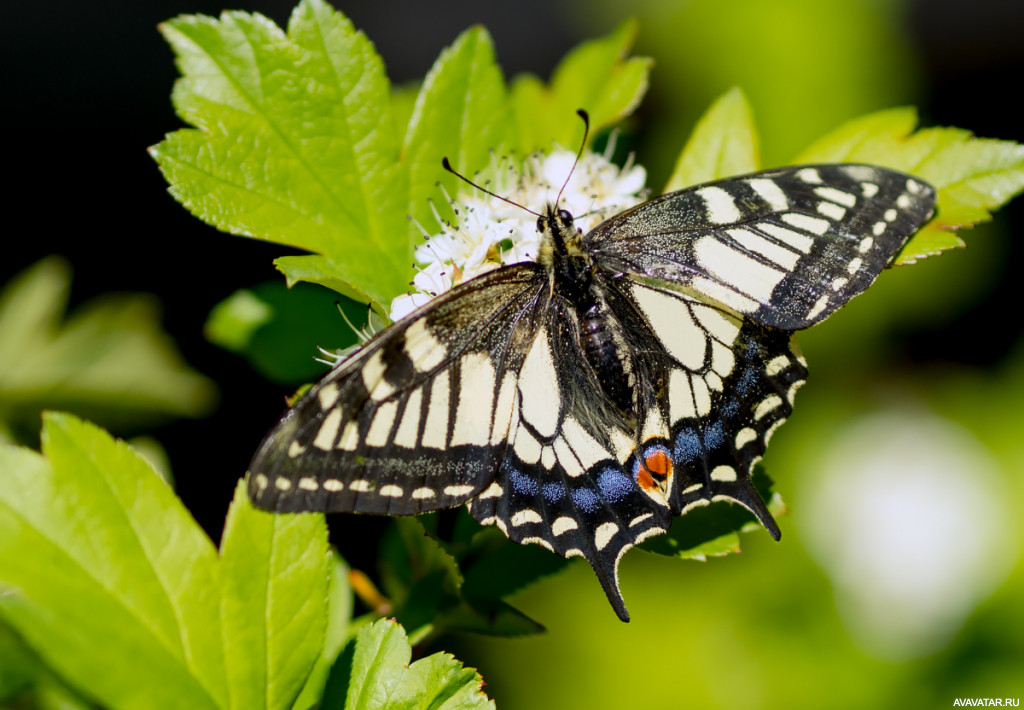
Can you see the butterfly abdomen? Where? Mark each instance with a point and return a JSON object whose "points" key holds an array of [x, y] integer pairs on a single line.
{"points": [[608, 355]]}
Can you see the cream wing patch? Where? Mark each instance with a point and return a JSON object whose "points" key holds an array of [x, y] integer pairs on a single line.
{"points": [[539, 401], [475, 401], [738, 270], [671, 321]]}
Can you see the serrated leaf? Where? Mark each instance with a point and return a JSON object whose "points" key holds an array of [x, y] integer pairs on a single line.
{"points": [[108, 359], [293, 141], [274, 576], [96, 549], [417, 573], [596, 76], [375, 672], [973, 176], [724, 143], [460, 113]]}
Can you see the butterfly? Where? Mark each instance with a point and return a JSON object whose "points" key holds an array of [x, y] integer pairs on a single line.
{"points": [[583, 400]]}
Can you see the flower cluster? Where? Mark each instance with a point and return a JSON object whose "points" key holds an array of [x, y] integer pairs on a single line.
{"points": [[491, 232]]}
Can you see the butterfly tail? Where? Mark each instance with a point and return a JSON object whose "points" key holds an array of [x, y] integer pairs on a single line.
{"points": [[744, 493]]}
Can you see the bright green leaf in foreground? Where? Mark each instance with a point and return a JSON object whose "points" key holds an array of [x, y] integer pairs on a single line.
{"points": [[293, 140], [108, 359], [339, 629], [974, 176], [724, 143], [459, 114], [105, 574], [275, 571], [374, 672]]}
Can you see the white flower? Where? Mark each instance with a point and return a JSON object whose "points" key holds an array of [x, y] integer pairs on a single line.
{"points": [[492, 232]]}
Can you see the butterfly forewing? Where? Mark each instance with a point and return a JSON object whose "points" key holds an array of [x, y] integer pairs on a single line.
{"points": [[417, 419], [784, 248]]}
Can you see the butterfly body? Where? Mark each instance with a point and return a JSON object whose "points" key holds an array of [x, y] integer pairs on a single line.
{"points": [[582, 401]]}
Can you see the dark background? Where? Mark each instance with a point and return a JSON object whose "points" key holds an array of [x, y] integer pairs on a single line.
{"points": [[87, 90]]}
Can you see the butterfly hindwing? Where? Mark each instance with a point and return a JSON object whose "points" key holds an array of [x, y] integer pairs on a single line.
{"points": [[562, 483], [730, 384], [784, 248], [417, 419]]}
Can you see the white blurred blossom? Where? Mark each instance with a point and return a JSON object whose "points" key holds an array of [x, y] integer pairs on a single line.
{"points": [[907, 515], [491, 232]]}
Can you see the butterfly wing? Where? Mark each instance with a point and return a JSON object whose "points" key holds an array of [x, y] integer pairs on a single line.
{"points": [[416, 420], [784, 248], [562, 483], [730, 384]]}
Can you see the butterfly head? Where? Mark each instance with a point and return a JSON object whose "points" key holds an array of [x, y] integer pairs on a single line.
{"points": [[561, 239]]}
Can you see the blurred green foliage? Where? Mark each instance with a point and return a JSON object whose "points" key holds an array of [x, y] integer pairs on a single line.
{"points": [[109, 360]]}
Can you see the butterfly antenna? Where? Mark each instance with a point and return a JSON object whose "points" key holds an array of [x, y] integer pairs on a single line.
{"points": [[579, 154], [448, 166]]}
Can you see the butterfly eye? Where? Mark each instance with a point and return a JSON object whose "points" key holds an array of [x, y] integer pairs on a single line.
{"points": [[565, 217], [542, 223]]}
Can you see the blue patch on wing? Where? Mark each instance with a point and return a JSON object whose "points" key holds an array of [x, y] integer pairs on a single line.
{"points": [[586, 500], [523, 484], [553, 492], [613, 485], [714, 436], [689, 448]]}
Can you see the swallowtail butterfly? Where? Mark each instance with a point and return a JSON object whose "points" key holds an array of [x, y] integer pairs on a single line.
{"points": [[582, 401]]}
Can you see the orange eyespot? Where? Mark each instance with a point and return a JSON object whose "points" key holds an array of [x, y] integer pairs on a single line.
{"points": [[658, 463], [652, 472], [644, 479]]}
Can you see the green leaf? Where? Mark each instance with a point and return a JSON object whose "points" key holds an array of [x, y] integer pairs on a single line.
{"points": [[339, 618], [723, 144], [27, 682], [274, 576], [234, 321], [317, 269], [460, 113], [105, 574], [278, 329], [375, 673], [294, 141], [417, 573], [973, 176], [595, 76], [108, 359]]}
